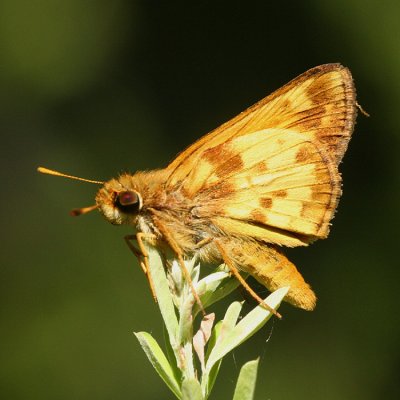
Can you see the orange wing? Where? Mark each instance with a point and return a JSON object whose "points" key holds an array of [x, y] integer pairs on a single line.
{"points": [[274, 185], [320, 103], [271, 173]]}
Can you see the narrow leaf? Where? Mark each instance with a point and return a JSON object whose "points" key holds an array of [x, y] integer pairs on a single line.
{"points": [[185, 326], [163, 294], [209, 377], [159, 361], [191, 390], [201, 337], [246, 383], [215, 286], [231, 317], [171, 356], [214, 337], [247, 327], [221, 329], [227, 286]]}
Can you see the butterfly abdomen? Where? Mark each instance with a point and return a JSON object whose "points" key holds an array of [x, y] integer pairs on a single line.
{"points": [[272, 269]]}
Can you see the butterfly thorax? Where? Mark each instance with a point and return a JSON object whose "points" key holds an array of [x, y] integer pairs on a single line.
{"points": [[149, 198]]}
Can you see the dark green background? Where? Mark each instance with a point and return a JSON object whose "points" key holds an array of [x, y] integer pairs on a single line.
{"points": [[93, 88]]}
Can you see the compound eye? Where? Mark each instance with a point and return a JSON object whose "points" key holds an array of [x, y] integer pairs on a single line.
{"points": [[128, 198], [128, 201]]}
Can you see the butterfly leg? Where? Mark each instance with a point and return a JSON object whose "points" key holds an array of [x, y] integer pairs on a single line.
{"points": [[203, 242], [142, 255], [228, 261], [169, 239]]}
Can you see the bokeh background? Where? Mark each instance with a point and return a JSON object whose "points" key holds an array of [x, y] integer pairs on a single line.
{"points": [[94, 88]]}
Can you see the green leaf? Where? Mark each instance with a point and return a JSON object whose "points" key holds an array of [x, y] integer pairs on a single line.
{"points": [[220, 330], [169, 352], [209, 377], [191, 390], [216, 286], [231, 317], [247, 327], [202, 336], [185, 326], [159, 361], [164, 297], [214, 337], [246, 383]]}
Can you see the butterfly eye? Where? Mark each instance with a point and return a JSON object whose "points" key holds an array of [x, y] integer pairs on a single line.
{"points": [[128, 201]]}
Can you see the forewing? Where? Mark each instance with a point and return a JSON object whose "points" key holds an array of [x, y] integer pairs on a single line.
{"points": [[275, 185], [319, 103]]}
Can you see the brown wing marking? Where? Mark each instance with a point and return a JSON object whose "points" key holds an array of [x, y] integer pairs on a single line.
{"points": [[319, 103], [284, 191]]}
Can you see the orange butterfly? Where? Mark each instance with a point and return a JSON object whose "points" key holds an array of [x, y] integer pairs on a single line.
{"points": [[265, 179]]}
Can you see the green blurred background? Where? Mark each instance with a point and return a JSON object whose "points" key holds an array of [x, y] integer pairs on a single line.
{"points": [[93, 88]]}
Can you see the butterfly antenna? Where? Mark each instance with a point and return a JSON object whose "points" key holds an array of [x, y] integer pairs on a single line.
{"points": [[76, 211], [56, 173]]}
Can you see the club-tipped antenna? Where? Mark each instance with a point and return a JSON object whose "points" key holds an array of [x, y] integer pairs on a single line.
{"points": [[56, 173], [76, 212]]}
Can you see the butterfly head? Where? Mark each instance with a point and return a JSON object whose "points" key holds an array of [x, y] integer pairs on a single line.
{"points": [[117, 199], [118, 202]]}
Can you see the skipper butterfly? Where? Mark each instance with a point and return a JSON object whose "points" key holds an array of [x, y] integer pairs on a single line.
{"points": [[268, 178]]}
